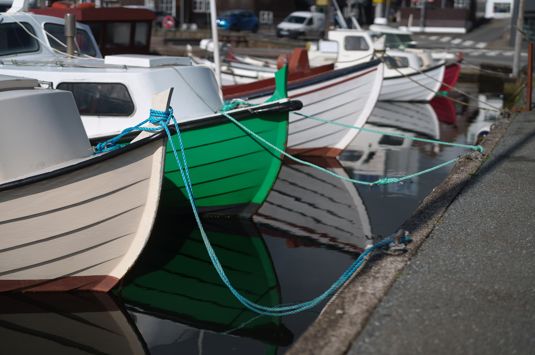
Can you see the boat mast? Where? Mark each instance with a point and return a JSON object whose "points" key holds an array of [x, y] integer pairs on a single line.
{"points": [[215, 40]]}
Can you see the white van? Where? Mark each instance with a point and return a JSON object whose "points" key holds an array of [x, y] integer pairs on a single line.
{"points": [[302, 24]]}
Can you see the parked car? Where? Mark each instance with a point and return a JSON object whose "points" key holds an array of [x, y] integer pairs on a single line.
{"points": [[238, 20], [302, 24]]}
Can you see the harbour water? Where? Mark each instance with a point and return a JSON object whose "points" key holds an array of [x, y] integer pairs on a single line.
{"points": [[311, 228]]}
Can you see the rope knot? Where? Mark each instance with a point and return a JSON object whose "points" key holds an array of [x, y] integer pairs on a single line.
{"points": [[386, 181], [479, 148], [395, 244], [234, 103], [160, 118]]}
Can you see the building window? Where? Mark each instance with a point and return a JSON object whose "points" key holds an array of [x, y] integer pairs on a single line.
{"points": [[201, 6], [461, 4]]}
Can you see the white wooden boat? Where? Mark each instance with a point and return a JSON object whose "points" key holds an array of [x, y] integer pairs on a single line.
{"points": [[69, 220], [111, 93], [310, 204], [66, 323], [408, 76], [341, 96]]}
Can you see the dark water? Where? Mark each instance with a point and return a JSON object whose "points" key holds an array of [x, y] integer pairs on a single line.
{"points": [[307, 233]]}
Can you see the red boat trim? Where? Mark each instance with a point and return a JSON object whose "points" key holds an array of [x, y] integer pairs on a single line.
{"points": [[95, 283], [334, 84], [326, 152]]}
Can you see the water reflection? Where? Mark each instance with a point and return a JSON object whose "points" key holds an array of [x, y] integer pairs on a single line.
{"points": [[66, 323], [175, 287], [306, 234], [487, 115], [314, 208]]}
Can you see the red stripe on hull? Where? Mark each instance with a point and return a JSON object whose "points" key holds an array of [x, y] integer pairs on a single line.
{"points": [[71, 283], [315, 152]]}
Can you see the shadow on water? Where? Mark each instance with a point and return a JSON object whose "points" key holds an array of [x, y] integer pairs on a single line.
{"points": [[310, 229]]}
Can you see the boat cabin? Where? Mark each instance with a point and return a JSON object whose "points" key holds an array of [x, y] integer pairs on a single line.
{"points": [[350, 47], [117, 30], [27, 42]]}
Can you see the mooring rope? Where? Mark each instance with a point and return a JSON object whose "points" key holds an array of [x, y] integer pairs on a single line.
{"points": [[162, 120], [489, 108], [382, 181]]}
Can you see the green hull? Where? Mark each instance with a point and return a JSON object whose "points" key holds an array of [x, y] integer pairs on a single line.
{"points": [[175, 279], [228, 168], [231, 172]]}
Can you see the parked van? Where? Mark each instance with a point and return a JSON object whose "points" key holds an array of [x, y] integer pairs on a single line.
{"points": [[302, 24]]}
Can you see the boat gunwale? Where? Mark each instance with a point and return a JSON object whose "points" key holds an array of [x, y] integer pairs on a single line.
{"points": [[260, 89], [417, 72], [282, 105]]}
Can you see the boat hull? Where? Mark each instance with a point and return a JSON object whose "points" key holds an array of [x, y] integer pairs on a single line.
{"points": [[81, 230], [451, 76], [344, 96], [231, 172], [413, 87]]}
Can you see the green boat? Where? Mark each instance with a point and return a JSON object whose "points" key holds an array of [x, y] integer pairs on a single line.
{"points": [[231, 172], [174, 280]]}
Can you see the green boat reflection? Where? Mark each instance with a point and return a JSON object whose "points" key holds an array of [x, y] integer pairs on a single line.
{"points": [[174, 280]]}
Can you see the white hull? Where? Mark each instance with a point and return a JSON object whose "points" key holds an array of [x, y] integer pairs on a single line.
{"points": [[413, 87], [308, 203], [82, 229], [346, 100]]}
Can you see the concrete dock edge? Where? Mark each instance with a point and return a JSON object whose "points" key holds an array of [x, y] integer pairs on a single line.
{"points": [[346, 315]]}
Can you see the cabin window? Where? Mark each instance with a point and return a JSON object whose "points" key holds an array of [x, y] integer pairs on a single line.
{"points": [[141, 36], [118, 34], [14, 39], [101, 99], [397, 41], [391, 141], [355, 43], [57, 40], [396, 62]]}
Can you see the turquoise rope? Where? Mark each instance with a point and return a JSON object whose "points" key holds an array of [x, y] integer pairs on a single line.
{"points": [[162, 119], [280, 310], [156, 118], [399, 135], [381, 181]]}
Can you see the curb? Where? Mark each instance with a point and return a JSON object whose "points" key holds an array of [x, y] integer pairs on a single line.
{"points": [[347, 313]]}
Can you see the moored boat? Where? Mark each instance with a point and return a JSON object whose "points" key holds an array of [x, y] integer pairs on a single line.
{"points": [[341, 97], [69, 220], [231, 171], [406, 77]]}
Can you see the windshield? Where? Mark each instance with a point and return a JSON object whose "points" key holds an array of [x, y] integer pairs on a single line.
{"points": [[83, 39], [397, 40], [295, 19], [14, 39]]}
